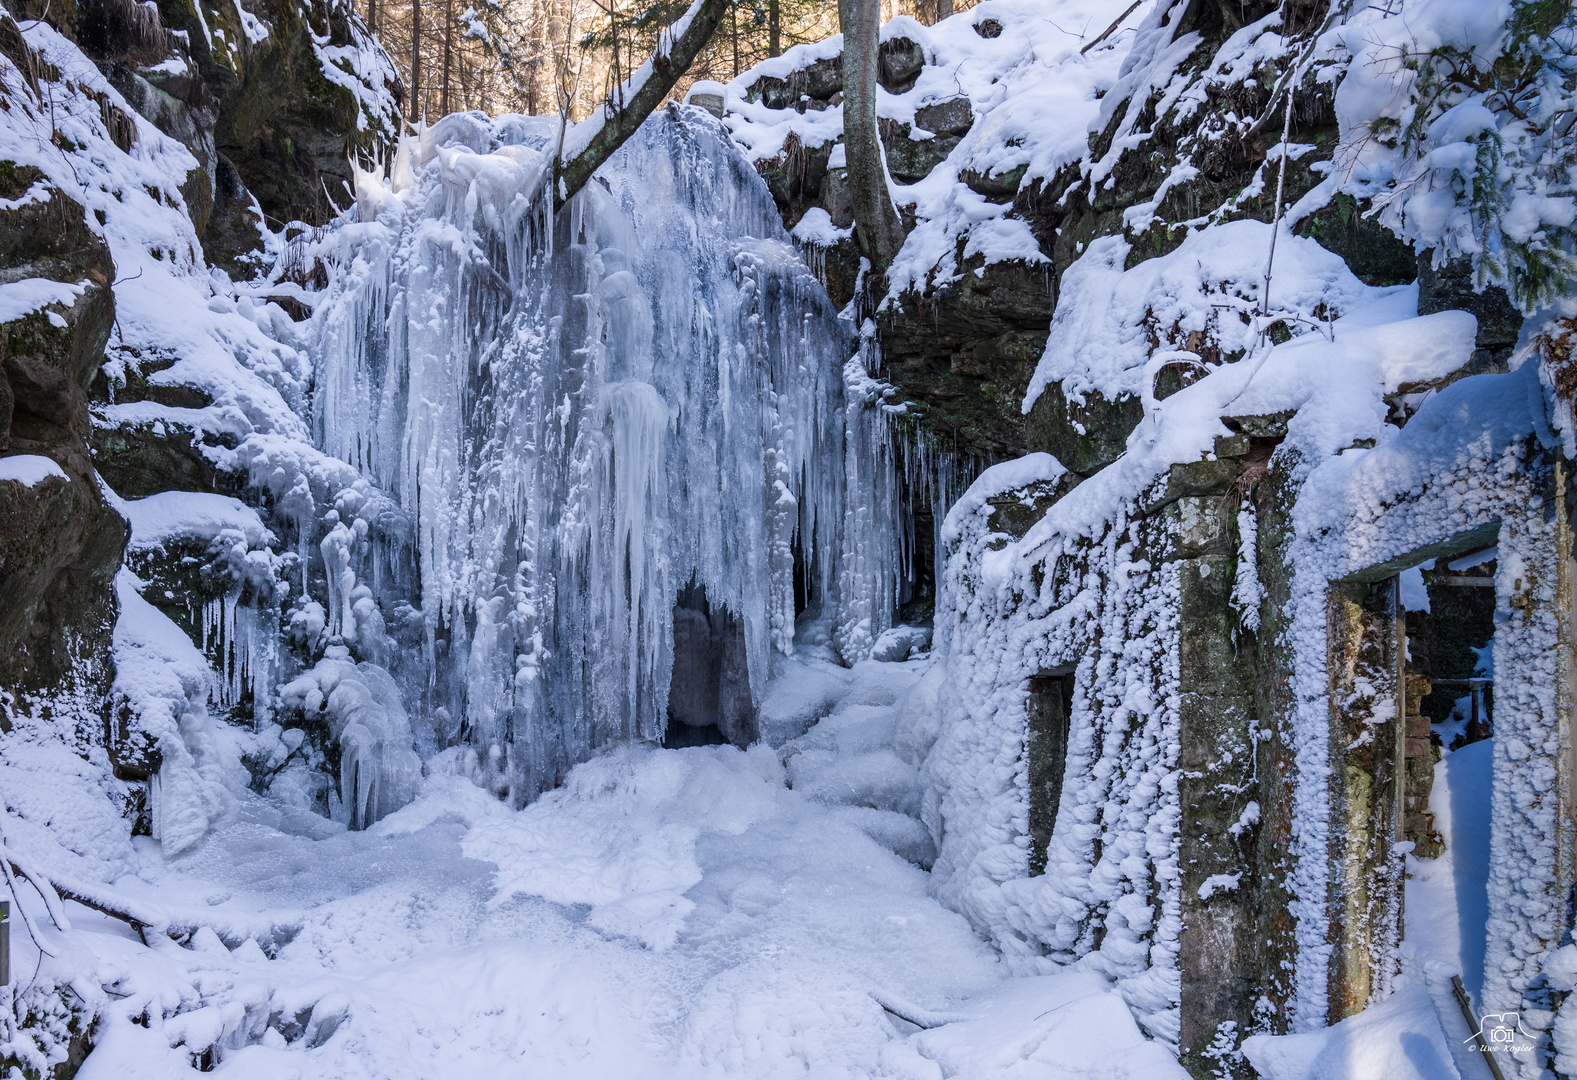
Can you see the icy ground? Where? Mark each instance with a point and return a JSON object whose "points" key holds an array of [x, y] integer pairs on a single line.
{"points": [[665, 913]]}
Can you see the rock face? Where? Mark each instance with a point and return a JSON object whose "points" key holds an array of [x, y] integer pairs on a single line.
{"points": [[273, 100], [1450, 287], [246, 89], [963, 354], [966, 354], [60, 542]]}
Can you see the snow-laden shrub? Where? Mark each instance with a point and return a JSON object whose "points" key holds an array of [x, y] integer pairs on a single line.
{"points": [[1457, 122]]}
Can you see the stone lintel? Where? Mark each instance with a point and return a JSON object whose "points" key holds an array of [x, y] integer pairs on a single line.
{"points": [[1271, 426], [1474, 539]]}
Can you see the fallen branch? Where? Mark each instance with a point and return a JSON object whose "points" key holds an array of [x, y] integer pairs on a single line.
{"points": [[178, 926], [57, 913], [11, 874], [923, 1018], [1476, 1026]]}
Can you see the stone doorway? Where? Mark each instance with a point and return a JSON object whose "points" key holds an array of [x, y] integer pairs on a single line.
{"points": [[1449, 682], [1383, 640]]}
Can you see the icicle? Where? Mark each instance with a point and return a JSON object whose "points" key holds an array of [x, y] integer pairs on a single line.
{"points": [[337, 548], [220, 641], [868, 585]]}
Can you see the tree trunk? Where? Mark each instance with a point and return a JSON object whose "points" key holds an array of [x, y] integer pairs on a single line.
{"points": [[733, 18], [416, 60], [775, 27], [944, 8], [559, 28], [876, 226], [534, 64], [593, 140], [444, 108]]}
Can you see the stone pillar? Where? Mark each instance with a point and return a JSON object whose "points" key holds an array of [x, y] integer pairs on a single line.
{"points": [[1366, 792], [1276, 752], [1219, 946]]}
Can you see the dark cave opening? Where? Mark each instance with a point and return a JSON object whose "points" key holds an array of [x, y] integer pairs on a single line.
{"points": [[709, 700]]}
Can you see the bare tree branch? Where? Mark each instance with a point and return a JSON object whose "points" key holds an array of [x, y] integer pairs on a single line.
{"points": [[1108, 31], [592, 141]]}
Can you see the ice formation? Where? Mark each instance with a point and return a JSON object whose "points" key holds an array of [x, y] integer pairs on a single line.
{"points": [[554, 483], [378, 770], [588, 420]]}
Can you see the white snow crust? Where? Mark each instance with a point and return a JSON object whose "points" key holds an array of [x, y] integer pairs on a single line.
{"points": [[666, 913], [169, 515], [21, 298], [1204, 291], [30, 470], [1399, 1039]]}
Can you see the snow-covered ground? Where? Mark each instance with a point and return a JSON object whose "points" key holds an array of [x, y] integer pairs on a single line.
{"points": [[1419, 1032], [1448, 897], [698, 912]]}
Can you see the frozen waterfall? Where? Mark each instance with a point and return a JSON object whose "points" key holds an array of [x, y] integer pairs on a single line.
{"points": [[582, 421]]}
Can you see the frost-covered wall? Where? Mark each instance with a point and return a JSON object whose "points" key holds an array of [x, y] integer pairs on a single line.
{"points": [[1194, 797], [1104, 606], [1206, 181], [1478, 458]]}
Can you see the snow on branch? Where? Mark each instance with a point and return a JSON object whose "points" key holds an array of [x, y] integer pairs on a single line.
{"points": [[921, 1018], [592, 141], [1461, 135]]}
